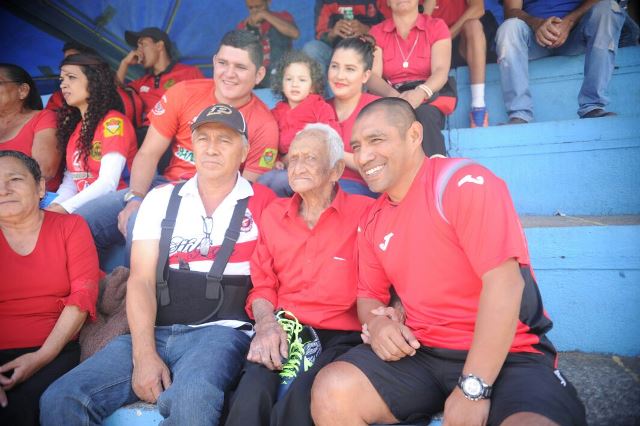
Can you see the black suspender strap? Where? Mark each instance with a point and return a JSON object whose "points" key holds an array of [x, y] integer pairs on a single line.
{"points": [[168, 223], [214, 276]]}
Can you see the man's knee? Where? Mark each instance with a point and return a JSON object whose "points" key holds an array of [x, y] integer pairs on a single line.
{"points": [[472, 30], [510, 33], [333, 388], [527, 419]]}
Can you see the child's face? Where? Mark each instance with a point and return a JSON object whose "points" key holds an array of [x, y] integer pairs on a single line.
{"points": [[296, 83]]}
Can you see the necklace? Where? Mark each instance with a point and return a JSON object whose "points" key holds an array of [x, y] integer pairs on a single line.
{"points": [[405, 59]]}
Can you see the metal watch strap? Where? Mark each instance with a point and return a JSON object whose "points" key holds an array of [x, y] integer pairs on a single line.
{"points": [[486, 389]]}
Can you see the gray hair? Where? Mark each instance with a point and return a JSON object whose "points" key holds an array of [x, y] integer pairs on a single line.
{"points": [[332, 139]]}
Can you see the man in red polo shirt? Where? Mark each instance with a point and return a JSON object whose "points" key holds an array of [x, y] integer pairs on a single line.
{"points": [[152, 50], [304, 263], [237, 69], [276, 31], [450, 243]]}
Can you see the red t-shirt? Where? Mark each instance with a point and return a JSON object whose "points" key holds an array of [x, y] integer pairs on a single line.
{"points": [[346, 128], [314, 109], [426, 30], [151, 87], [113, 134], [61, 270], [310, 272], [130, 100], [23, 141], [180, 105], [450, 10], [436, 267]]}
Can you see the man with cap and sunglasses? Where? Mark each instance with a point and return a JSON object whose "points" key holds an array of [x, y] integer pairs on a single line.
{"points": [[184, 369], [152, 50]]}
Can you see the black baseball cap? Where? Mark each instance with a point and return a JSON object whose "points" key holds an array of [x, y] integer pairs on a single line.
{"points": [[224, 114], [131, 37]]}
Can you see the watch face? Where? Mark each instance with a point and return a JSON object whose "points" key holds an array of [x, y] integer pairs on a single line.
{"points": [[472, 386]]}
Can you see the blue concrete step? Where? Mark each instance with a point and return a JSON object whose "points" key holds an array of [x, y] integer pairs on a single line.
{"points": [[555, 83], [577, 167]]}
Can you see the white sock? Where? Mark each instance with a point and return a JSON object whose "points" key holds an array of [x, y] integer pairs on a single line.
{"points": [[477, 95]]}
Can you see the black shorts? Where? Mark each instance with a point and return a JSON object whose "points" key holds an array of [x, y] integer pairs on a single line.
{"points": [[416, 388], [490, 28]]}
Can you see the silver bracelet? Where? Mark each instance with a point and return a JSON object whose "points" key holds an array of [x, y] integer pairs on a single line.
{"points": [[426, 89]]}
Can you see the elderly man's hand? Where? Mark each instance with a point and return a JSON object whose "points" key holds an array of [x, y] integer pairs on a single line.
{"points": [[391, 340], [269, 346]]}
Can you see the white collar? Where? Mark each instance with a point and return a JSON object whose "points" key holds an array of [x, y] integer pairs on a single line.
{"points": [[242, 189]]}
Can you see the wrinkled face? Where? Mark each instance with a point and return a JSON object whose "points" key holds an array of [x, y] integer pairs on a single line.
{"points": [[255, 6], [19, 192], [347, 74], [296, 83], [218, 151], [380, 151], [402, 5], [11, 93], [148, 51], [309, 168], [74, 85], [235, 75]]}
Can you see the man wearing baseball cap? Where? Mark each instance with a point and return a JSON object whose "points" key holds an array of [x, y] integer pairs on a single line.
{"points": [[152, 50], [185, 370]]}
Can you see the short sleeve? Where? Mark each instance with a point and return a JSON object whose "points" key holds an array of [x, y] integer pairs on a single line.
{"points": [[372, 280], [82, 267], [46, 119], [263, 143], [438, 30], [148, 224], [165, 115], [478, 206], [116, 134]]}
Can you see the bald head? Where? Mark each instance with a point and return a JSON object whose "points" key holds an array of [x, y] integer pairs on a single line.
{"points": [[396, 111]]}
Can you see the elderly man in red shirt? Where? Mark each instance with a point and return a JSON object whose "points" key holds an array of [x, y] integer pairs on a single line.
{"points": [[304, 263]]}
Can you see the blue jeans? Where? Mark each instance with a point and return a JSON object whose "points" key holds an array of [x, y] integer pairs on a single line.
{"points": [[204, 362], [596, 34], [355, 187], [101, 215]]}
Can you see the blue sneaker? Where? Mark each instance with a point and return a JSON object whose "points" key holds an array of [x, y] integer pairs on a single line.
{"points": [[304, 349], [479, 117]]}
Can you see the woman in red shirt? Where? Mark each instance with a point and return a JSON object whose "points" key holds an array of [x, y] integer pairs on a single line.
{"points": [[99, 140], [24, 126], [412, 61], [349, 71], [49, 275]]}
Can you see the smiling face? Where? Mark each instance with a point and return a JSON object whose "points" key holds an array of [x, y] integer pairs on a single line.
{"points": [[347, 74], [296, 83], [385, 152], [235, 75], [19, 192], [218, 151], [74, 86]]}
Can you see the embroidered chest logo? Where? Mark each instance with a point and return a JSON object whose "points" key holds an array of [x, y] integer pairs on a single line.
{"points": [[247, 222], [479, 180], [385, 243]]}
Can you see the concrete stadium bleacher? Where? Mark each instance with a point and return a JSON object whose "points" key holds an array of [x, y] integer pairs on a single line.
{"points": [[575, 184]]}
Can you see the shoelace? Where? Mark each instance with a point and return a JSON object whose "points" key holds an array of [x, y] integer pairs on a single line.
{"points": [[296, 350]]}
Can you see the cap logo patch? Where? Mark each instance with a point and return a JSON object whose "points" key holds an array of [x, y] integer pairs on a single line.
{"points": [[219, 109]]}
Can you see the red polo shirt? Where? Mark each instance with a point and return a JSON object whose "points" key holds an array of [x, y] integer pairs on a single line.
{"points": [[427, 30], [437, 267], [178, 108], [310, 272], [151, 87]]}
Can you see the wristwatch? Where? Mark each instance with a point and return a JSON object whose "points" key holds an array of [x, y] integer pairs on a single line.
{"points": [[131, 196], [474, 388]]}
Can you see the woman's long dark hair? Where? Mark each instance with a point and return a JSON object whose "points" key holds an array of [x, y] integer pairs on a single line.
{"points": [[103, 97], [363, 46], [18, 75]]}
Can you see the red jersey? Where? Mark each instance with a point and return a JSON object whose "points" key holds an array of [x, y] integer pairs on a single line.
{"points": [[177, 110], [331, 11], [450, 10], [113, 134], [130, 100], [310, 272], [23, 141], [346, 127], [61, 270], [416, 49], [151, 87], [314, 109], [436, 267]]}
